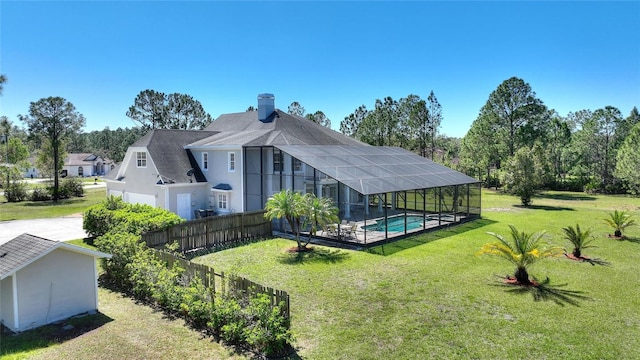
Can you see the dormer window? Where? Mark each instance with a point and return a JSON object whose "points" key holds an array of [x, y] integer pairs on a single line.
{"points": [[141, 159]]}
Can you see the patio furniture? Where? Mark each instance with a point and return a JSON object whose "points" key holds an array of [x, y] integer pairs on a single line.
{"points": [[331, 230], [353, 232]]}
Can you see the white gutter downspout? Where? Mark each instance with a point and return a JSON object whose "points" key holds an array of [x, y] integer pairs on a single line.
{"points": [[95, 277], [16, 317]]}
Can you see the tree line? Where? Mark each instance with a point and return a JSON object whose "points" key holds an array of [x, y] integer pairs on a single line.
{"points": [[516, 141], [53, 128], [411, 122]]}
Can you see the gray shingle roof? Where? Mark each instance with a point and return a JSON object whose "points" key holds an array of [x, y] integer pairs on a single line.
{"points": [[79, 159], [166, 148], [26, 248], [22, 250], [245, 129]]}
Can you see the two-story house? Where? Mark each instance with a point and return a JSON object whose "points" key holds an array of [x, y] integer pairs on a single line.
{"points": [[237, 162]]}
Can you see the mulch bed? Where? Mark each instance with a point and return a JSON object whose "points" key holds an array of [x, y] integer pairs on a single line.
{"points": [[577, 258], [295, 249], [510, 280], [616, 237]]}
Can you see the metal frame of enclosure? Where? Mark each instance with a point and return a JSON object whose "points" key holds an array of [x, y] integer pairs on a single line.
{"points": [[385, 192]]}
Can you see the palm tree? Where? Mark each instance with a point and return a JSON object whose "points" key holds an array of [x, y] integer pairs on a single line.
{"points": [[619, 220], [289, 205], [525, 250], [580, 239], [319, 212]]}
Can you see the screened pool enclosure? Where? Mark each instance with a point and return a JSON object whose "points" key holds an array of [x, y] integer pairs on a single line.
{"points": [[381, 192]]}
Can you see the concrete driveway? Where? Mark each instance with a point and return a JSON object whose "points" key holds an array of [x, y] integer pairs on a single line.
{"points": [[59, 229]]}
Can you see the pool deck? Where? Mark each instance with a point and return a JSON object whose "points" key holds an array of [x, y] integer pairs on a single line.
{"points": [[372, 237]]}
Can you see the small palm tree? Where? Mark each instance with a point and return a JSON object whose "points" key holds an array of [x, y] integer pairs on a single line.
{"points": [[524, 250], [289, 205], [580, 239], [619, 220], [319, 212]]}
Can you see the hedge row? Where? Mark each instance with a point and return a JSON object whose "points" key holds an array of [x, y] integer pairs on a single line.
{"points": [[114, 215], [252, 323], [18, 191]]}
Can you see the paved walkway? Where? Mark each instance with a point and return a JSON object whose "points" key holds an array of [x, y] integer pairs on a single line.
{"points": [[59, 229]]}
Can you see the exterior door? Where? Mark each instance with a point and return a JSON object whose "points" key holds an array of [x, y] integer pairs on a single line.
{"points": [[184, 206]]}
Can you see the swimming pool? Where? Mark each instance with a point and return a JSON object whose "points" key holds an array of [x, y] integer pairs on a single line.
{"points": [[396, 223]]}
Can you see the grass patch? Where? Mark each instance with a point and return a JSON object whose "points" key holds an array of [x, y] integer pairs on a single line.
{"points": [[48, 209], [428, 296], [431, 296], [122, 329]]}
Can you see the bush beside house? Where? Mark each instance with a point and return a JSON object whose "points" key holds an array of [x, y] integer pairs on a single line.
{"points": [[250, 322]]}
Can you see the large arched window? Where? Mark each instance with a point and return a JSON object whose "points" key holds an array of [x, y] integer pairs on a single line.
{"points": [[80, 171]]}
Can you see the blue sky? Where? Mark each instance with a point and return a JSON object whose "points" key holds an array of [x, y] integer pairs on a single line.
{"points": [[329, 56]]}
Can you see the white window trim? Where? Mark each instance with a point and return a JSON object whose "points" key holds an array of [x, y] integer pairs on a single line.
{"points": [[219, 201], [280, 156], [230, 162], [138, 159], [205, 161]]}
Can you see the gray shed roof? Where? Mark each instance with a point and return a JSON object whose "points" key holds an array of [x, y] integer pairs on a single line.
{"points": [[377, 169], [25, 249]]}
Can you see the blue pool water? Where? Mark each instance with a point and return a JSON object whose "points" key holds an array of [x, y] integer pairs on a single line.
{"points": [[397, 223]]}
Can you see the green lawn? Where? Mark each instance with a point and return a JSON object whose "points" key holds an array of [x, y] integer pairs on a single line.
{"points": [[431, 296], [123, 329], [48, 209], [426, 297]]}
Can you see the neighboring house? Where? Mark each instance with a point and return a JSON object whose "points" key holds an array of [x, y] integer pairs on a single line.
{"points": [[43, 281], [237, 162], [86, 164], [32, 171]]}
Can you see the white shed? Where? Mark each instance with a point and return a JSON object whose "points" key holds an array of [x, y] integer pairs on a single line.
{"points": [[43, 281]]}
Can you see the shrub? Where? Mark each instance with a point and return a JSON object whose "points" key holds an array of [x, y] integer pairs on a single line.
{"points": [[592, 187], [16, 191], [123, 248], [40, 194], [71, 187], [134, 268], [268, 331], [197, 303], [97, 220], [230, 320], [145, 271], [139, 219], [114, 215]]}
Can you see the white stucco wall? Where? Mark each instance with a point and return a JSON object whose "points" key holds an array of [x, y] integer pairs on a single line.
{"points": [[218, 173], [197, 191], [87, 170], [138, 180], [57, 286]]}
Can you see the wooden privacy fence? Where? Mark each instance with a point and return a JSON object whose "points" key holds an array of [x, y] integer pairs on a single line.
{"points": [[213, 232], [234, 284]]}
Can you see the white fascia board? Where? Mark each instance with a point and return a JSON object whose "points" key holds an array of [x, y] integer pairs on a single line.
{"points": [[215, 147], [176, 185]]}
